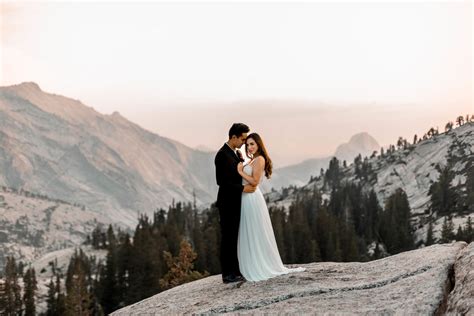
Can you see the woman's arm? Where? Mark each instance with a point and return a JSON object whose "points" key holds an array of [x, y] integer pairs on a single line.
{"points": [[257, 171]]}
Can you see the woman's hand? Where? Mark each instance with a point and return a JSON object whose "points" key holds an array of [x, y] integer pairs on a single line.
{"points": [[240, 167]]}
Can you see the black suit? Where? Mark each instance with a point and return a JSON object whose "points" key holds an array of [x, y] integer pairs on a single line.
{"points": [[228, 202]]}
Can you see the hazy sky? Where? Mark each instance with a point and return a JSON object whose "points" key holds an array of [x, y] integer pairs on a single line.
{"points": [[155, 61]]}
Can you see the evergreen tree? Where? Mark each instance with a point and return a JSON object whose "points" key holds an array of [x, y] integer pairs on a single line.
{"points": [[444, 197], [429, 235], [110, 295], [469, 231], [30, 288], [370, 217], [124, 254], [306, 248], [60, 297], [197, 241], [278, 218], [469, 204], [447, 233], [51, 301], [3, 300], [78, 299], [55, 301], [212, 239], [180, 267], [349, 248], [449, 126], [395, 228], [333, 174], [145, 261], [460, 234], [13, 301]]}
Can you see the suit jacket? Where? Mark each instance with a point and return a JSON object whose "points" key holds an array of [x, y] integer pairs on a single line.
{"points": [[228, 179]]}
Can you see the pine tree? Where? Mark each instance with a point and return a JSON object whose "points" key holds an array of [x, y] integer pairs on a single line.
{"points": [[395, 228], [55, 301], [444, 198], [3, 300], [51, 301], [78, 298], [123, 267], [12, 289], [447, 233], [350, 251], [429, 235], [212, 239], [31, 286], [305, 247], [109, 284], [370, 217], [333, 174], [277, 216], [180, 267], [469, 231], [460, 234], [469, 204], [145, 260], [60, 297]]}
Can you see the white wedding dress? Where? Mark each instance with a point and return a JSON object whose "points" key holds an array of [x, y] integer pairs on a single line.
{"points": [[257, 249]]}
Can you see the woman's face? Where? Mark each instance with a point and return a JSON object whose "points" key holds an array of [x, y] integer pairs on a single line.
{"points": [[251, 146]]}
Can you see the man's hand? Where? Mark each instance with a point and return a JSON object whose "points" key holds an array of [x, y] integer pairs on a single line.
{"points": [[248, 188], [240, 167]]}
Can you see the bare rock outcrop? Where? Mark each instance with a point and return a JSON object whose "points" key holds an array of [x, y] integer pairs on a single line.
{"points": [[461, 299], [413, 282]]}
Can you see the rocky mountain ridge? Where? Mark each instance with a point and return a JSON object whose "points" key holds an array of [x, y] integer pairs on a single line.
{"points": [[57, 146]]}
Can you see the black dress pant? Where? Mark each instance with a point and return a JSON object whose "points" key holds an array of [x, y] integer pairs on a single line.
{"points": [[229, 223]]}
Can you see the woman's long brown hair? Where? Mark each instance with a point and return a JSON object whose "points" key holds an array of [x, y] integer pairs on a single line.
{"points": [[261, 151]]}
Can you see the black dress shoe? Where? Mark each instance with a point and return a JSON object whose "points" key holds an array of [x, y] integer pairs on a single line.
{"points": [[240, 278], [231, 278]]}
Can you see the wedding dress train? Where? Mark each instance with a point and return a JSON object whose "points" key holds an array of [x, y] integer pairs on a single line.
{"points": [[257, 249]]}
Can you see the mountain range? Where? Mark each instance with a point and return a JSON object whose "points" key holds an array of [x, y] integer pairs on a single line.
{"points": [[59, 147]]}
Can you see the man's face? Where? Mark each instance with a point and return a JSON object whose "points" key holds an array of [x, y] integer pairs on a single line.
{"points": [[240, 140]]}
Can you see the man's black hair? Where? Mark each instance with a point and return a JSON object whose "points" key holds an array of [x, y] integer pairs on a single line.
{"points": [[238, 129]]}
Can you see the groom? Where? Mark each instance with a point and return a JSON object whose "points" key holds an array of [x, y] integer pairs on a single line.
{"points": [[229, 199]]}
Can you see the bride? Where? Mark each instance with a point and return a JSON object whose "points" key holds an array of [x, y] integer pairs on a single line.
{"points": [[257, 250]]}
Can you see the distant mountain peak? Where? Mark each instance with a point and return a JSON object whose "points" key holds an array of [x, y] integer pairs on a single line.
{"points": [[204, 148], [361, 143], [362, 137], [27, 85], [117, 115]]}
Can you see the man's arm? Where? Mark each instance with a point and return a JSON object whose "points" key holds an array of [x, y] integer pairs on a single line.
{"points": [[223, 169]]}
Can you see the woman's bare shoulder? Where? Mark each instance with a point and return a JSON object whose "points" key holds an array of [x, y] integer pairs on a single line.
{"points": [[260, 160]]}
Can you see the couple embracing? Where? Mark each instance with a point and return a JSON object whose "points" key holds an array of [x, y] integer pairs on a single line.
{"points": [[248, 246]]}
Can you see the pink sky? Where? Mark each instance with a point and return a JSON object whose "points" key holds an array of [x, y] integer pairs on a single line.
{"points": [[391, 69]]}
